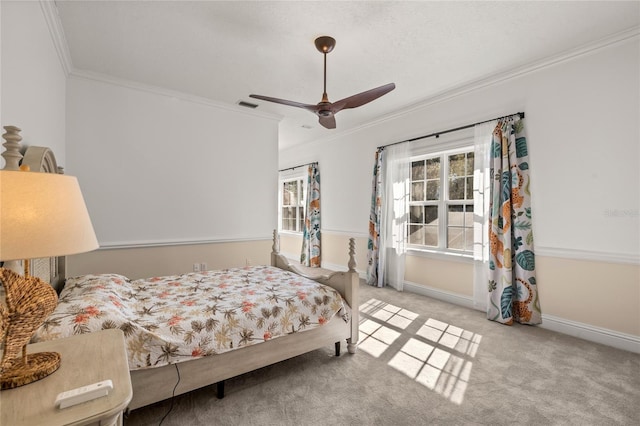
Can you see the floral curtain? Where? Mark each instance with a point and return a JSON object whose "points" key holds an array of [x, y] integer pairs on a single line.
{"points": [[311, 253], [373, 252], [513, 293]]}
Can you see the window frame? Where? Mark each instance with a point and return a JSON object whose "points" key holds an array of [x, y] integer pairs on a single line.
{"points": [[291, 176], [443, 150]]}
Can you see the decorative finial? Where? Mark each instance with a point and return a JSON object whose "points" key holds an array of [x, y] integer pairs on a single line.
{"points": [[12, 155], [276, 242], [352, 253]]}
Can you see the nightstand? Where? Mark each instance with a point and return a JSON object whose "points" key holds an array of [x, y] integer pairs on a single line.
{"points": [[86, 359]]}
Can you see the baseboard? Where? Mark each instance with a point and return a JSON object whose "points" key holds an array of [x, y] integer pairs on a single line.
{"points": [[580, 330], [591, 333], [442, 295]]}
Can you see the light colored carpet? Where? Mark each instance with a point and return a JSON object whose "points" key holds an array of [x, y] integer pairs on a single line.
{"points": [[426, 362]]}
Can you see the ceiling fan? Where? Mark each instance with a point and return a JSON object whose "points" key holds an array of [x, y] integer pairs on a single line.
{"points": [[326, 110]]}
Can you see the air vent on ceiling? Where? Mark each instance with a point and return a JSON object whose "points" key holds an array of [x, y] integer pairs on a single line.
{"points": [[247, 104]]}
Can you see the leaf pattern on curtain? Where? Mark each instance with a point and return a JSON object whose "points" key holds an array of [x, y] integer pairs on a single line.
{"points": [[373, 252], [311, 252], [513, 293]]}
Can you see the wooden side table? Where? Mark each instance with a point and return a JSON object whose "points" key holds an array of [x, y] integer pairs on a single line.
{"points": [[86, 359]]}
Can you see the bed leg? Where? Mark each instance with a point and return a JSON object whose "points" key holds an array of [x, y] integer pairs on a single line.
{"points": [[220, 389], [351, 346]]}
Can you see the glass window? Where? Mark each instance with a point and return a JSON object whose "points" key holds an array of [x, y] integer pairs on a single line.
{"points": [[441, 202], [292, 202]]}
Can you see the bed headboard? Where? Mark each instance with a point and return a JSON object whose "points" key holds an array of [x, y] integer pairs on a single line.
{"points": [[39, 159]]}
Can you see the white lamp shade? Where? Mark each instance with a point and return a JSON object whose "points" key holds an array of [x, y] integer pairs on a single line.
{"points": [[42, 215]]}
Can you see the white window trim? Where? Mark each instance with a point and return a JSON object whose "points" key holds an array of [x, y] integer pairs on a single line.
{"points": [[299, 173], [446, 145]]}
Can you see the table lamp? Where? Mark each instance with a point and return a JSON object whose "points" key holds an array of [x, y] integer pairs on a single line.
{"points": [[41, 215]]}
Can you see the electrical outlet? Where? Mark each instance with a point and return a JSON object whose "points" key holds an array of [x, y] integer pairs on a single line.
{"points": [[196, 267], [203, 267], [247, 262]]}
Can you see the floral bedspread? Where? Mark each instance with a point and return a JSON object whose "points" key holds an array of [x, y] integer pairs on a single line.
{"points": [[171, 319]]}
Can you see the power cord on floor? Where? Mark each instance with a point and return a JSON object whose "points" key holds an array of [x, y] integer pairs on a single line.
{"points": [[173, 394]]}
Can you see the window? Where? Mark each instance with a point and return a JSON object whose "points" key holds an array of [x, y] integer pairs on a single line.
{"points": [[292, 202], [441, 202]]}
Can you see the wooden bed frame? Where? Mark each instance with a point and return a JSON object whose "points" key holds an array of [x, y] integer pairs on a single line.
{"points": [[157, 384]]}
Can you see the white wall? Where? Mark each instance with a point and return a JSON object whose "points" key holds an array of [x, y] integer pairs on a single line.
{"points": [[583, 131], [33, 78], [583, 134], [159, 169]]}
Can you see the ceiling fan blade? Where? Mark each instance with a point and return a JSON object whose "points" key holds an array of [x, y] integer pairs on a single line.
{"points": [[312, 108], [328, 121], [362, 98]]}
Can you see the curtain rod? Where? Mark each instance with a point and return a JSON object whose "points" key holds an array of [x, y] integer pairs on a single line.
{"points": [[437, 134], [296, 167]]}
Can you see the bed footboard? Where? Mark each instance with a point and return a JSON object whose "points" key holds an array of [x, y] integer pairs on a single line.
{"points": [[346, 283]]}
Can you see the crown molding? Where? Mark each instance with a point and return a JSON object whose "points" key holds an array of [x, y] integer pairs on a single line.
{"points": [[50, 12], [494, 79], [174, 94]]}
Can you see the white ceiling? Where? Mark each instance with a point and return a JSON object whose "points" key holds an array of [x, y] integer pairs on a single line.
{"points": [[226, 50]]}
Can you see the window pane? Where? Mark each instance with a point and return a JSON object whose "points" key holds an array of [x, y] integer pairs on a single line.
{"points": [[468, 216], [456, 189], [288, 218], [431, 214], [300, 192], [433, 168], [468, 238], [286, 194], [290, 193], [457, 165], [300, 219], [455, 216], [470, 163], [286, 213], [431, 236], [469, 189], [455, 238], [296, 195], [416, 214], [416, 234], [433, 190], [417, 170], [460, 227], [417, 191]]}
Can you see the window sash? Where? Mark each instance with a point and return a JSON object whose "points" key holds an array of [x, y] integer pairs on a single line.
{"points": [[429, 219], [292, 201]]}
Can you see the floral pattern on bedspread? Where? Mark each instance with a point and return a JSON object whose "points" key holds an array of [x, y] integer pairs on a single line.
{"points": [[172, 319]]}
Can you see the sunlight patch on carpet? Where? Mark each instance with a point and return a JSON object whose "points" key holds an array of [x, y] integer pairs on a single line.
{"points": [[438, 355]]}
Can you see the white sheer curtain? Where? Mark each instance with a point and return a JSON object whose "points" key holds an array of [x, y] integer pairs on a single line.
{"points": [[481, 196], [393, 224]]}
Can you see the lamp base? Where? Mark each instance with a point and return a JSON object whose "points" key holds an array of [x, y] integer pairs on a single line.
{"points": [[37, 366]]}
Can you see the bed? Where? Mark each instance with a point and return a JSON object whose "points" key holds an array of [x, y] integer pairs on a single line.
{"points": [[257, 316], [210, 326]]}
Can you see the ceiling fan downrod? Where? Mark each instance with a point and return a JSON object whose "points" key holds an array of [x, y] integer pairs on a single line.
{"points": [[325, 44]]}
